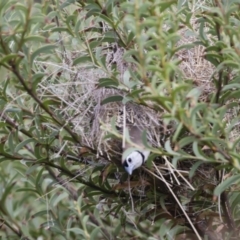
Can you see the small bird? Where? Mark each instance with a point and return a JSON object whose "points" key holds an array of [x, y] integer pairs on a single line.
{"points": [[136, 158]]}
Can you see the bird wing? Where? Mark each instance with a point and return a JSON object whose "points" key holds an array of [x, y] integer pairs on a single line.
{"points": [[135, 136]]}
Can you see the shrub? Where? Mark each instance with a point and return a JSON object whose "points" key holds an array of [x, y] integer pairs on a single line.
{"points": [[68, 68]]}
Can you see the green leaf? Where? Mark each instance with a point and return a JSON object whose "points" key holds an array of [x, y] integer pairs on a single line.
{"points": [[85, 220], [35, 38], [37, 182], [197, 151], [61, 29], [127, 99], [235, 202], [177, 132], [233, 94], [202, 30], [117, 228], [82, 59], [27, 190], [130, 37], [92, 8], [169, 149], [51, 102], [9, 58], [231, 86], [13, 110], [40, 213], [212, 58], [77, 231], [5, 88], [194, 168], [106, 19], [144, 138], [66, 3], [199, 107], [166, 4], [60, 198], [36, 79], [107, 82], [20, 6], [226, 184], [23, 143], [115, 98], [10, 142], [5, 156], [185, 141], [50, 225], [44, 49], [32, 169], [214, 140], [7, 190], [94, 43], [94, 234]]}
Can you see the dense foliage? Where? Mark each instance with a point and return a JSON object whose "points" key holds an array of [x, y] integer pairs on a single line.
{"points": [[54, 185]]}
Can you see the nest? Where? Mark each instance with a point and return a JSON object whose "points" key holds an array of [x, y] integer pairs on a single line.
{"points": [[143, 117], [81, 100]]}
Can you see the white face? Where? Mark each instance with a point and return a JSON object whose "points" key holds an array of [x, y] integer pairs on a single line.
{"points": [[133, 161]]}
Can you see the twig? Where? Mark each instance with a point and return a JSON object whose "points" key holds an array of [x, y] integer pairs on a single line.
{"points": [[130, 193], [18, 231], [179, 204]]}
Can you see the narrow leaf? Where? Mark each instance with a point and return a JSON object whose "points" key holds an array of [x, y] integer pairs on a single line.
{"points": [[226, 184], [115, 98], [44, 49], [23, 143]]}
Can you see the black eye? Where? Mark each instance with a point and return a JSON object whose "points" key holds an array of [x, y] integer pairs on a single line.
{"points": [[125, 164], [129, 160]]}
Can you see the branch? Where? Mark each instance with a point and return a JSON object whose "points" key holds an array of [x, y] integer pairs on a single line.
{"points": [[40, 103], [18, 231]]}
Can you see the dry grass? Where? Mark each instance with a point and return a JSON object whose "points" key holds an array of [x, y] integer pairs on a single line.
{"points": [[77, 89], [193, 64]]}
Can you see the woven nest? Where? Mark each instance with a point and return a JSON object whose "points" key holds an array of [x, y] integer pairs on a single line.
{"points": [[141, 116], [81, 101]]}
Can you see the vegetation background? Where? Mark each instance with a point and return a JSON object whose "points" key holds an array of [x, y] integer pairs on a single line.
{"points": [[64, 64]]}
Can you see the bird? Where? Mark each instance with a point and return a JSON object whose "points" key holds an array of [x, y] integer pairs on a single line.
{"points": [[137, 157]]}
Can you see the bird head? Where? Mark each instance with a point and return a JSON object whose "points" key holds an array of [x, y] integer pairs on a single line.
{"points": [[135, 160], [136, 157]]}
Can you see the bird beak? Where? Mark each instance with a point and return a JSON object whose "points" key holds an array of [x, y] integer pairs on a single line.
{"points": [[129, 170]]}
